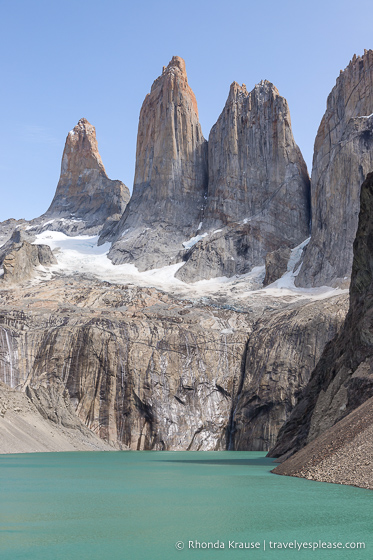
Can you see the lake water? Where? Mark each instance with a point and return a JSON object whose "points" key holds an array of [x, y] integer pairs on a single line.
{"points": [[138, 505]]}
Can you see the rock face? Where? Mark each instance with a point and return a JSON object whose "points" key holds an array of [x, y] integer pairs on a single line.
{"points": [[7, 228], [258, 189], [343, 156], [20, 259], [276, 265], [141, 369], [282, 350], [256, 171], [147, 370], [343, 378], [170, 178], [85, 197]]}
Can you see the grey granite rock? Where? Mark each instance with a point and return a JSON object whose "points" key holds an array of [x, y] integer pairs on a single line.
{"points": [[276, 264], [343, 156], [258, 189], [343, 378], [22, 259]]}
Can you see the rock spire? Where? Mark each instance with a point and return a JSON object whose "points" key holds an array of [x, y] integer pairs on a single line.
{"points": [[170, 177], [258, 186], [84, 191]]}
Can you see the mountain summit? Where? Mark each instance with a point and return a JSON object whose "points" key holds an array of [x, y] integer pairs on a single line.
{"points": [[171, 174], [84, 191]]}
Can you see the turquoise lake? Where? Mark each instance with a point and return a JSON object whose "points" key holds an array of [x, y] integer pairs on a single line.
{"points": [[138, 505]]}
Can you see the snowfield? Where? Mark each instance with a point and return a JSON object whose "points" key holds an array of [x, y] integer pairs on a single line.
{"points": [[82, 255]]}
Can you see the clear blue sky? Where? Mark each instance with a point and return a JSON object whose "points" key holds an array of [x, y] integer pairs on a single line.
{"points": [[63, 60]]}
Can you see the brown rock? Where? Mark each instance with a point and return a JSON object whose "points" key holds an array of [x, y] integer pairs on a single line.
{"points": [[24, 430], [22, 259], [341, 455], [150, 370], [170, 177], [256, 170], [282, 351], [84, 191]]}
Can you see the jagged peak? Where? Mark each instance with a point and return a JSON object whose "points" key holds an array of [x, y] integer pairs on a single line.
{"points": [[83, 126], [176, 67], [81, 150], [176, 62], [266, 85], [236, 91], [356, 60], [357, 76]]}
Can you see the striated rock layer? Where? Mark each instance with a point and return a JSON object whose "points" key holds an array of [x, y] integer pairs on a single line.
{"points": [[343, 378], [258, 189], [343, 156], [170, 177], [282, 350], [147, 370], [24, 429]]}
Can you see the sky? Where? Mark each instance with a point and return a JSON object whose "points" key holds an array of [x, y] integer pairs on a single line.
{"points": [[62, 61]]}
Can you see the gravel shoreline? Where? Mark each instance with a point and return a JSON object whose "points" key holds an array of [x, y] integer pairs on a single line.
{"points": [[341, 455]]}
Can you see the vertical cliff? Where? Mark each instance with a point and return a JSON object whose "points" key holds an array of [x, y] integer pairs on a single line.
{"points": [[170, 177], [258, 189], [282, 351], [343, 155], [255, 167], [343, 378]]}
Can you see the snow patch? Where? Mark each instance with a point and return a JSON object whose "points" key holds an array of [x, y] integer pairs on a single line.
{"points": [[81, 254], [193, 240], [286, 286]]}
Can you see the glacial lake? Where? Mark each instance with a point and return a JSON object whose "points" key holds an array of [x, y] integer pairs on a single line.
{"points": [[138, 505]]}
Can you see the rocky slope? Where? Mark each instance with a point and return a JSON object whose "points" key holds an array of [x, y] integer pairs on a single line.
{"points": [[24, 430], [258, 186], [21, 260], [343, 378], [170, 177], [343, 156], [342, 454]]}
